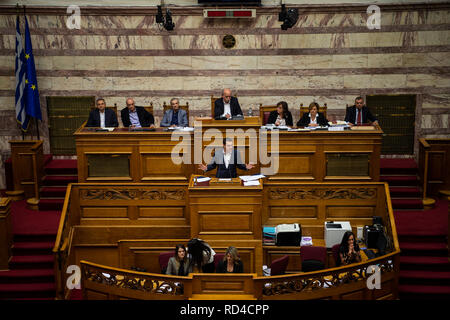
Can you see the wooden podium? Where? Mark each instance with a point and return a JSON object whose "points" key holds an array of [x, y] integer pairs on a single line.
{"points": [[225, 210]]}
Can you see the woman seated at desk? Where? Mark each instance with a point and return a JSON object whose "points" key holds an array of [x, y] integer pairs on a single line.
{"points": [[349, 249], [282, 116], [231, 262], [180, 264], [313, 118]]}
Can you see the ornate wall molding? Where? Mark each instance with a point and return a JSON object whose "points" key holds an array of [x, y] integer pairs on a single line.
{"points": [[322, 193], [132, 194]]}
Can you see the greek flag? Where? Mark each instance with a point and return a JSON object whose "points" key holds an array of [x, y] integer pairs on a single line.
{"points": [[21, 115]]}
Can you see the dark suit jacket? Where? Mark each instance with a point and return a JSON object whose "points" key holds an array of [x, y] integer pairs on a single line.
{"points": [[222, 267], [350, 115], [110, 118], [305, 120], [222, 171], [145, 118], [274, 115], [219, 107]]}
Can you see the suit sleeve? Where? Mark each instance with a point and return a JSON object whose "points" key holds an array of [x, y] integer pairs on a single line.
{"points": [[212, 165], [289, 121], [125, 118], [323, 120], [237, 107], [165, 122], [217, 111], [170, 267], [184, 119], [348, 115], [114, 121], [239, 163], [304, 121]]}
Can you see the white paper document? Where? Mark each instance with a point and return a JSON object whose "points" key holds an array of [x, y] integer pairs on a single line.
{"points": [[251, 183], [252, 178], [203, 179]]}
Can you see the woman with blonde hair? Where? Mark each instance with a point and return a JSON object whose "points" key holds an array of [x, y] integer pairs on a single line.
{"points": [[231, 262]]}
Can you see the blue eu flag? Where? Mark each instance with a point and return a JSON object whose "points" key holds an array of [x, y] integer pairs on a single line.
{"points": [[32, 104]]}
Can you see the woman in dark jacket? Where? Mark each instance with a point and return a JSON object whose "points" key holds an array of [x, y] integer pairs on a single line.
{"points": [[231, 262], [282, 116], [313, 118]]}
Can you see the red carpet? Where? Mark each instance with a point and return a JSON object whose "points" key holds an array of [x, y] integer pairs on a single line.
{"points": [[31, 274], [424, 264]]}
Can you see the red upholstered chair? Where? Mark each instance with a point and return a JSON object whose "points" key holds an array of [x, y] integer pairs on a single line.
{"points": [[264, 112], [164, 260], [218, 257], [335, 251], [279, 266], [313, 258]]}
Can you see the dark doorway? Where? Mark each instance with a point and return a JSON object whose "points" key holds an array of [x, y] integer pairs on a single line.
{"points": [[65, 116], [396, 115]]}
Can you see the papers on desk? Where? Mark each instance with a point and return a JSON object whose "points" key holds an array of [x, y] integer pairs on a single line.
{"points": [[252, 178], [299, 129], [274, 127], [338, 123], [251, 183], [181, 128], [335, 128], [203, 179]]}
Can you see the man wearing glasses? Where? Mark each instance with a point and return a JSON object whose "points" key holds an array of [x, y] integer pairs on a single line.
{"points": [[226, 107], [136, 117]]}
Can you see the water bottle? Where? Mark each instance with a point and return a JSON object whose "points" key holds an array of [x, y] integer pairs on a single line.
{"points": [[250, 112]]}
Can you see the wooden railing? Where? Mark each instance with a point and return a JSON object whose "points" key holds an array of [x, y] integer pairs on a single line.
{"points": [[28, 168], [6, 232], [349, 282], [434, 170], [62, 246]]}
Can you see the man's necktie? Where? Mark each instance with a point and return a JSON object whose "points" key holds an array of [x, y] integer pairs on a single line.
{"points": [[359, 117]]}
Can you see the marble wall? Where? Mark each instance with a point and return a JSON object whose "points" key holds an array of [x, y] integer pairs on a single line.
{"points": [[329, 56]]}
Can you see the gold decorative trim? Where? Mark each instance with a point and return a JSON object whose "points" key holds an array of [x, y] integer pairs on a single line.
{"points": [[322, 193], [132, 194]]}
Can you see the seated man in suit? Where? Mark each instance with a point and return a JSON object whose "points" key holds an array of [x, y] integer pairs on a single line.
{"points": [[175, 117], [102, 117], [226, 107], [136, 117], [359, 114], [226, 160]]}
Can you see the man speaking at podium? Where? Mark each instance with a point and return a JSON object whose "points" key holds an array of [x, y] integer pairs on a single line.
{"points": [[226, 160], [227, 107]]}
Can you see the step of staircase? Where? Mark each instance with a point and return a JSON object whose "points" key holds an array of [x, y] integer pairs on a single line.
{"points": [[411, 291], [27, 276], [405, 192], [432, 248], [406, 203], [53, 192], [61, 166], [400, 180], [419, 277], [38, 237], [398, 166], [424, 263], [32, 262], [62, 180], [53, 204], [32, 248], [27, 290]]}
